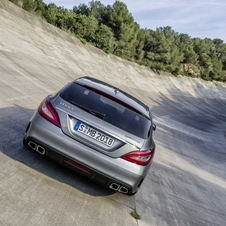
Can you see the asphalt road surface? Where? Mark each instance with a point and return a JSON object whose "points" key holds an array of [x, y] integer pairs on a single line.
{"points": [[187, 182]]}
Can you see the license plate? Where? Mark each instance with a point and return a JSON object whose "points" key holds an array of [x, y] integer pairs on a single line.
{"points": [[93, 133]]}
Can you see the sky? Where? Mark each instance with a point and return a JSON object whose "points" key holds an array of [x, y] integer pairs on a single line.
{"points": [[197, 18]]}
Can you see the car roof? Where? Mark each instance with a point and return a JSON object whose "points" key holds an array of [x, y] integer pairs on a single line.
{"points": [[115, 94]]}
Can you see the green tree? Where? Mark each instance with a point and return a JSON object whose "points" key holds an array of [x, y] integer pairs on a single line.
{"points": [[185, 44], [157, 50], [175, 56], [68, 21], [220, 48], [210, 63], [202, 48], [96, 10], [139, 46], [29, 5], [103, 38], [123, 27], [215, 72], [82, 9], [51, 14], [85, 26], [40, 9]]}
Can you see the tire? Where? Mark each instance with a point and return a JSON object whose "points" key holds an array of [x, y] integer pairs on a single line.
{"points": [[25, 143], [132, 194]]}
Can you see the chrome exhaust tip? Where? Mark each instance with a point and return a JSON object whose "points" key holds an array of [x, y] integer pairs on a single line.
{"points": [[123, 189], [114, 186], [37, 147], [40, 150], [32, 145]]}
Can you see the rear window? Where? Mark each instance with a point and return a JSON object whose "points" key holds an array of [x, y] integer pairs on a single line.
{"points": [[115, 113]]}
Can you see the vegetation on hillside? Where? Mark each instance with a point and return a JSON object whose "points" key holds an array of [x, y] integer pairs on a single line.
{"points": [[113, 29]]}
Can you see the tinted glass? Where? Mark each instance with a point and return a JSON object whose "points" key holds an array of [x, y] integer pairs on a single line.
{"points": [[115, 113]]}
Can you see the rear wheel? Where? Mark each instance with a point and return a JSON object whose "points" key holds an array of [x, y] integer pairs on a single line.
{"points": [[25, 143], [132, 193]]}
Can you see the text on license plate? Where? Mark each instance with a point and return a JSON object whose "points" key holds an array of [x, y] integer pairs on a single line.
{"points": [[95, 134]]}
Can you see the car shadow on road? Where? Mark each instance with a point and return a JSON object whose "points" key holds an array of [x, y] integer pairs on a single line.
{"points": [[192, 127], [13, 122], [180, 197]]}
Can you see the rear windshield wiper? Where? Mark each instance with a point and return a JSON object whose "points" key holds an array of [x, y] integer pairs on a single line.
{"points": [[96, 113]]}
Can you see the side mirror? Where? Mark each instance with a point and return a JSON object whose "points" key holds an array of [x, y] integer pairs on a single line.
{"points": [[153, 126]]}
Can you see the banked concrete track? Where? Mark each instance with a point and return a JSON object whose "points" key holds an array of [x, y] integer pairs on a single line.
{"points": [[187, 182]]}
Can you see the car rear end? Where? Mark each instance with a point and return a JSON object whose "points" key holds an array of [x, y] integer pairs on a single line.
{"points": [[88, 129]]}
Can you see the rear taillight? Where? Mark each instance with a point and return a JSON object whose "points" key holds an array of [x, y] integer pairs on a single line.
{"points": [[47, 111], [140, 157]]}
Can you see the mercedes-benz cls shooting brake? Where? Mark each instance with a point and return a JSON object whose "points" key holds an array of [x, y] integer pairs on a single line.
{"points": [[97, 130]]}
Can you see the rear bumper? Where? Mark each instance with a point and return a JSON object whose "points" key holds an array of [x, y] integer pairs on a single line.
{"points": [[71, 153]]}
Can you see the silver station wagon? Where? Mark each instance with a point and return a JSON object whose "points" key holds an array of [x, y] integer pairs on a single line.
{"points": [[97, 130]]}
